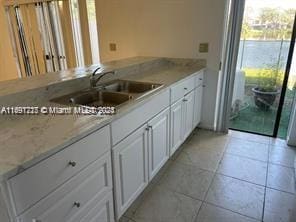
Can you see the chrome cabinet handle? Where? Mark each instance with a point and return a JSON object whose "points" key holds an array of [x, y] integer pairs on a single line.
{"points": [[148, 127], [72, 163], [77, 204]]}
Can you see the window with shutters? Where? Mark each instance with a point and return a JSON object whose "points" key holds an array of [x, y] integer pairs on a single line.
{"points": [[52, 35]]}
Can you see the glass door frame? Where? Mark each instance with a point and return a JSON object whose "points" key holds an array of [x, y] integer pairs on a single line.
{"points": [[284, 87], [285, 81]]}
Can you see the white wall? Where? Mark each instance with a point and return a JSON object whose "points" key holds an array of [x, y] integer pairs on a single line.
{"points": [[170, 28], [175, 28], [116, 25]]}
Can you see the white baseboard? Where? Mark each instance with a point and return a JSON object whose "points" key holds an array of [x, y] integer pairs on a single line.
{"points": [[206, 126]]}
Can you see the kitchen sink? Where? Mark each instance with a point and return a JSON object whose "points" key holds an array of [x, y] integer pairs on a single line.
{"points": [[94, 98], [111, 94], [131, 86]]}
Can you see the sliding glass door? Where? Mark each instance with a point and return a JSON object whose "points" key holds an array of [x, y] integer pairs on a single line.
{"points": [[262, 95]]}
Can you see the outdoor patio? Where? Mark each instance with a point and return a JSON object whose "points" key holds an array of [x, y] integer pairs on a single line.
{"points": [[251, 118]]}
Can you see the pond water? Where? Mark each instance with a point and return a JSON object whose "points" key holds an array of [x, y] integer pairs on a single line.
{"points": [[261, 54]]}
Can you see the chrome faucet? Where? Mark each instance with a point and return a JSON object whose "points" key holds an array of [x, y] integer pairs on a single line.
{"points": [[94, 80]]}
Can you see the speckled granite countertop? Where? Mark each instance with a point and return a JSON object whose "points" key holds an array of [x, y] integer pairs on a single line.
{"points": [[26, 140]]}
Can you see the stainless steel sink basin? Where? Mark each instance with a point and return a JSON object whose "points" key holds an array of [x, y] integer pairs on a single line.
{"points": [[111, 94], [94, 98], [131, 86]]}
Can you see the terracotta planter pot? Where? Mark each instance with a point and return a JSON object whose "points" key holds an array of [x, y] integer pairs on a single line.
{"points": [[264, 100]]}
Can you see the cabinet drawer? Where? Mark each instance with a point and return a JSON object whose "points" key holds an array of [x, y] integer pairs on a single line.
{"points": [[124, 126], [74, 196], [199, 78], [182, 88], [35, 183], [98, 210]]}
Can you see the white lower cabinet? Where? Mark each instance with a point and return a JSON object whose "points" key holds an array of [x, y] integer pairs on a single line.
{"points": [[158, 141], [75, 196], [181, 121], [188, 103], [76, 183], [138, 158], [130, 162], [99, 210], [35, 183], [198, 93], [176, 126]]}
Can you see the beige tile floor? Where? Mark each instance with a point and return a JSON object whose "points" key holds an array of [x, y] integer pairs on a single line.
{"points": [[237, 177]]}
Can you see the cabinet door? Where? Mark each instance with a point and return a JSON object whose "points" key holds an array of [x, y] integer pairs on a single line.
{"points": [[101, 211], [158, 140], [188, 113], [74, 196], [130, 159], [176, 126], [197, 105]]}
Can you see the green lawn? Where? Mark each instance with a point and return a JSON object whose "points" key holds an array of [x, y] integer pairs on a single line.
{"points": [[252, 119], [254, 76]]}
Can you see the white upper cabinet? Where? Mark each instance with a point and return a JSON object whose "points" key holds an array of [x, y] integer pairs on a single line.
{"points": [[158, 140], [130, 162]]}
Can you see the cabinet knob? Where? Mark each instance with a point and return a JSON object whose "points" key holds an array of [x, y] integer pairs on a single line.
{"points": [[77, 204], [148, 127], [200, 78], [72, 163], [185, 100], [36, 220], [185, 88]]}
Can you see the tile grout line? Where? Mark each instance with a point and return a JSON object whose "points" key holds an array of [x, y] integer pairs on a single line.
{"points": [[249, 140], [215, 174], [263, 186], [249, 158], [256, 184], [271, 145], [280, 165], [266, 179], [282, 191], [231, 211]]}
